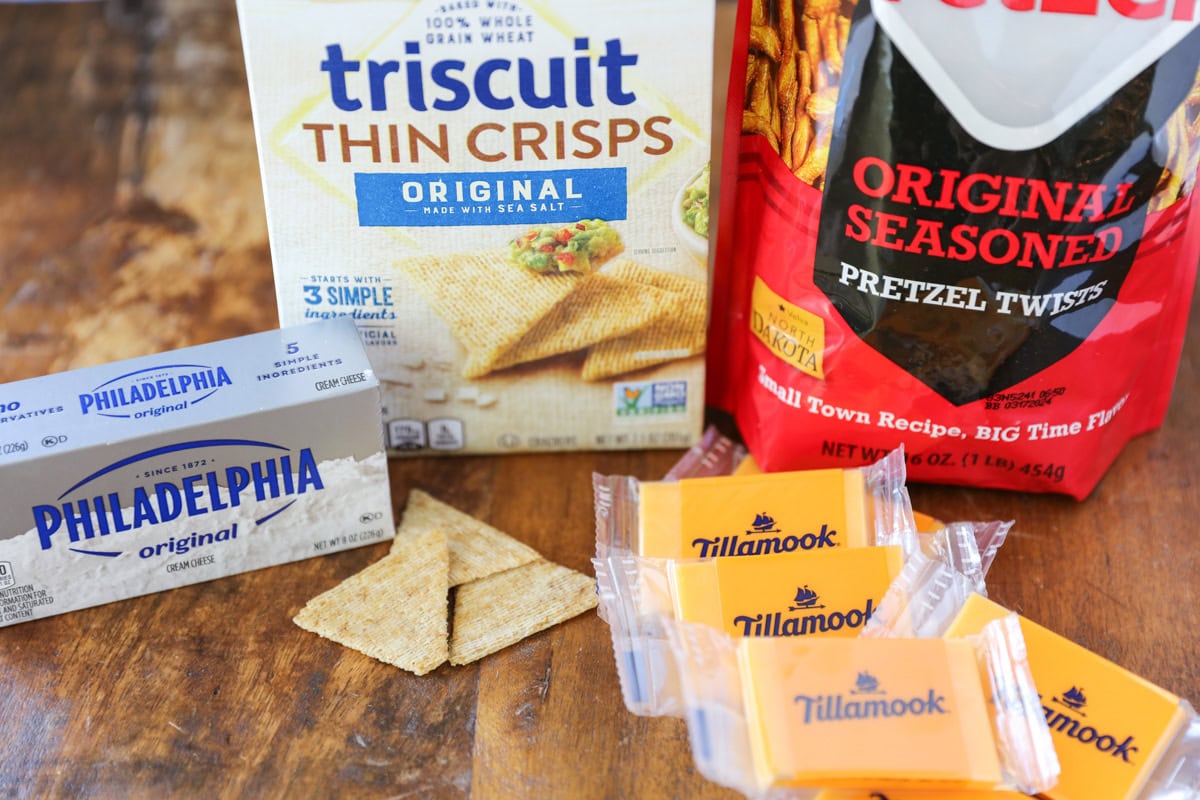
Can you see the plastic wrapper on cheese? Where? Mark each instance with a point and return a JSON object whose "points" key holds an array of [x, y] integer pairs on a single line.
{"points": [[830, 592], [715, 454], [1118, 736], [783, 717], [931, 588], [834, 592], [719, 517], [969, 244], [748, 514], [821, 593]]}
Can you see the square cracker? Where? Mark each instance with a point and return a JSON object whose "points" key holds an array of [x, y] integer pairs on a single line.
{"points": [[488, 302], [394, 610], [502, 609], [476, 548], [603, 305], [679, 332]]}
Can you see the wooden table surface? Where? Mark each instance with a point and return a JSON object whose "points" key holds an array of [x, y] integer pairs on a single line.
{"points": [[131, 221]]}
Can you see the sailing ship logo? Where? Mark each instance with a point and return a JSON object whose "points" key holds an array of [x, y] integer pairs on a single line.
{"points": [[1073, 699], [866, 683], [805, 600], [763, 523]]}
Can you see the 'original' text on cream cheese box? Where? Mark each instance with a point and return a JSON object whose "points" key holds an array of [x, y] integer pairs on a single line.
{"points": [[143, 475]]}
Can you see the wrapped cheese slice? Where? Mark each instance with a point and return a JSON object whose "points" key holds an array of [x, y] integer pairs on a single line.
{"points": [[724, 517], [823, 593], [732, 515], [785, 717], [1118, 736]]}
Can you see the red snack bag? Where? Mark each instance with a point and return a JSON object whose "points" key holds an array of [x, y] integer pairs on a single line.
{"points": [[960, 225]]}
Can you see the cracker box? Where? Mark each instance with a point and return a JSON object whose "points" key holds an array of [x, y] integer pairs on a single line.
{"points": [[143, 475], [509, 198]]}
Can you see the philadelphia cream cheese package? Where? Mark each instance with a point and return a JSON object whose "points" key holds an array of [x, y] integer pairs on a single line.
{"points": [[509, 198], [143, 475]]}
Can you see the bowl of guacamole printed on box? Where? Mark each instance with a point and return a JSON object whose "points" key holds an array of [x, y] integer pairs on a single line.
{"points": [[690, 215]]}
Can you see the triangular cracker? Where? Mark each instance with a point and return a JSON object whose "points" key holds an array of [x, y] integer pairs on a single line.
{"points": [[476, 548], [678, 333], [603, 305], [488, 302], [394, 610], [502, 609]]}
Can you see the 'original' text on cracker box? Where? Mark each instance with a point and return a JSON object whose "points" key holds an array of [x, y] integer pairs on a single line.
{"points": [[509, 197], [142, 475]]}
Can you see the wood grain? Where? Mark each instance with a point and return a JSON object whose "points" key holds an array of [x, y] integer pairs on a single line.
{"points": [[131, 221]]}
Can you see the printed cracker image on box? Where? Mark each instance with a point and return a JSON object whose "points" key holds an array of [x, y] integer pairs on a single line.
{"points": [[509, 198], [142, 475]]}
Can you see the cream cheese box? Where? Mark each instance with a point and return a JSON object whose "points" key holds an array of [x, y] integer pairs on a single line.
{"points": [[509, 198], [142, 475]]}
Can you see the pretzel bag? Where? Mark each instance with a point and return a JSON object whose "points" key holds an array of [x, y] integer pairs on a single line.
{"points": [[964, 226]]}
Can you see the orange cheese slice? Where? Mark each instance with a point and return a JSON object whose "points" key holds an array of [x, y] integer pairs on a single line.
{"points": [[820, 593], [753, 514], [1109, 726], [867, 713], [925, 523]]}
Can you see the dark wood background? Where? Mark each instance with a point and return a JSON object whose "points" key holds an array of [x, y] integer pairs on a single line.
{"points": [[131, 221]]}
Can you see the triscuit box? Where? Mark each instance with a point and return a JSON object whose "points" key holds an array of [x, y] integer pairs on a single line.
{"points": [[510, 198], [143, 475]]}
